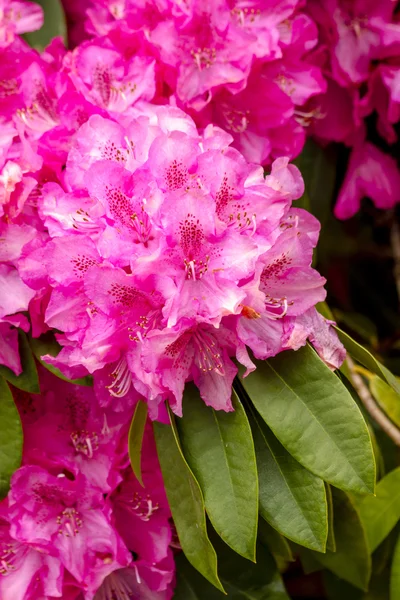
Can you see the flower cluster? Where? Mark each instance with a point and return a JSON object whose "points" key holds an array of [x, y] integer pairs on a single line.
{"points": [[270, 73], [241, 65], [358, 53], [154, 251], [155, 248], [76, 523]]}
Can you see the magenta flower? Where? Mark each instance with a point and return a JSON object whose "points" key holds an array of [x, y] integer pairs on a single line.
{"points": [[25, 572], [16, 17], [66, 519], [84, 438], [371, 174]]}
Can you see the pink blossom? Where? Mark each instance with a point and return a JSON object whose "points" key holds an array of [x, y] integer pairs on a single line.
{"points": [[130, 581], [84, 437], [142, 515], [16, 17], [66, 519], [25, 572], [371, 174]]}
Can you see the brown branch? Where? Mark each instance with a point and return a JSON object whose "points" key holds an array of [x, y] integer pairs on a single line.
{"points": [[369, 403], [395, 243]]}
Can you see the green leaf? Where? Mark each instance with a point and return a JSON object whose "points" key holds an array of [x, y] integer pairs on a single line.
{"points": [[10, 437], [308, 561], [313, 415], [337, 589], [325, 311], [363, 356], [318, 168], [330, 542], [274, 541], [135, 439], [386, 397], [380, 513], [219, 449], [292, 499], [395, 573], [243, 580], [28, 380], [47, 344], [186, 502], [352, 560], [358, 323], [54, 25]]}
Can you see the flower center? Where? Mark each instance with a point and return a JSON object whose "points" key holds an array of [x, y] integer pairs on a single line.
{"points": [[8, 557], [69, 522], [143, 507], [204, 57], [237, 120], [85, 442], [121, 379], [208, 356]]}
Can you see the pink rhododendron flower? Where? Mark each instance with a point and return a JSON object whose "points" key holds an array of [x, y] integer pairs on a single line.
{"points": [[25, 572], [16, 17], [67, 519], [371, 174], [75, 512]]}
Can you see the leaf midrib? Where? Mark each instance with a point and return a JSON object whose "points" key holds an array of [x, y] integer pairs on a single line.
{"points": [[318, 422]]}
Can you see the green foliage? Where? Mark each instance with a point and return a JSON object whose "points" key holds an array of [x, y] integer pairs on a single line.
{"points": [[380, 513], [363, 356], [242, 579], [186, 502], [10, 437], [219, 449], [330, 542], [313, 415], [395, 573], [292, 499], [386, 397], [272, 539], [135, 439], [352, 560], [28, 380], [54, 25]]}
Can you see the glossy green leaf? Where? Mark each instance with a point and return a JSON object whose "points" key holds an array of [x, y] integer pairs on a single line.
{"points": [[380, 513], [47, 344], [363, 356], [395, 573], [313, 415], [242, 579], [292, 499], [28, 380], [54, 25], [186, 502], [330, 542], [386, 397], [10, 437], [275, 541], [135, 439], [352, 560], [219, 449]]}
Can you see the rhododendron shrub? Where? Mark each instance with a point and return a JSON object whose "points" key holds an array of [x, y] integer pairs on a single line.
{"points": [[166, 354]]}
